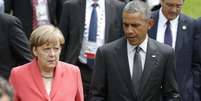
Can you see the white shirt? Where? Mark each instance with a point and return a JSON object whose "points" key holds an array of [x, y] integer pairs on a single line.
{"points": [[100, 39], [153, 3], [131, 52], [42, 14], [101, 20], [162, 27], [1, 6]]}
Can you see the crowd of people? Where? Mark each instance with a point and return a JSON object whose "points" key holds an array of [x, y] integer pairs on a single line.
{"points": [[99, 50]]}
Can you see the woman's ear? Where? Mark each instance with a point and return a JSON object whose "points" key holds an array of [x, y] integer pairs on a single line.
{"points": [[35, 53]]}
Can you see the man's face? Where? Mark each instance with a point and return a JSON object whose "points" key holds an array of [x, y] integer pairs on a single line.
{"points": [[135, 27], [171, 8]]}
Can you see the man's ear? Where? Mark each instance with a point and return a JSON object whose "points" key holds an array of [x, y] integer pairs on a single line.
{"points": [[150, 23]]}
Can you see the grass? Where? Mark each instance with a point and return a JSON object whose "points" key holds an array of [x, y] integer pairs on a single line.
{"points": [[192, 8]]}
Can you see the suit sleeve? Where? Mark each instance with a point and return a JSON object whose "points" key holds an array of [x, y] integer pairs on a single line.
{"points": [[196, 68], [18, 42], [80, 94], [169, 86], [98, 84], [64, 27]]}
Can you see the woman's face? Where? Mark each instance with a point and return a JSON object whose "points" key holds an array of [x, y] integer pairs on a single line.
{"points": [[47, 56]]}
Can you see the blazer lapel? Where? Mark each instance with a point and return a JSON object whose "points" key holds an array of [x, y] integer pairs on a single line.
{"points": [[123, 65], [57, 80], [152, 59], [37, 78], [181, 32]]}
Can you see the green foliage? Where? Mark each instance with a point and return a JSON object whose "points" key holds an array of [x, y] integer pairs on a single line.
{"points": [[192, 8]]}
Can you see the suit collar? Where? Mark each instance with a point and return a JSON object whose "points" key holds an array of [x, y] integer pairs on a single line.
{"points": [[35, 72]]}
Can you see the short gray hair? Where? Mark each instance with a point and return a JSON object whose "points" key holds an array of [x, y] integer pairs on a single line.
{"points": [[138, 6]]}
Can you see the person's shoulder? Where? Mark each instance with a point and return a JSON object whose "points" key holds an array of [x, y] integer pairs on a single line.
{"points": [[113, 44], [71, 2], [116, 2], [154, 13], [21, 67], [197, 22], [20, 70], [161, 47], [68, 67], [7, 18], [186, 18]]}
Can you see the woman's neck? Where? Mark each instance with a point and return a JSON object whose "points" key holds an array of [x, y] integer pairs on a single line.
{"points": [[47, 74]]}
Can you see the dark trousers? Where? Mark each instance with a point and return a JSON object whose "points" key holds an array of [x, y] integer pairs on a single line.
{"points": [[86, 73]]}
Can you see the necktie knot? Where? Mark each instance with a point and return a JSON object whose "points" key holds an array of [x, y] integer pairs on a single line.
{"points": [[94, 5], [137, 49], [168, 23]]}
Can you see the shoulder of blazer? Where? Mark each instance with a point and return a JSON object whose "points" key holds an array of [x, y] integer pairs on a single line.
{"points": [[160, 46], [5, 18], [66, 67], [185, 18]]}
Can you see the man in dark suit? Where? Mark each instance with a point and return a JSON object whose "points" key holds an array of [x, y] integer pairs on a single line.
{"points": [[134, 68], [26, 11], [181, 28], [197, 60], [75, 25], [14, 47]]}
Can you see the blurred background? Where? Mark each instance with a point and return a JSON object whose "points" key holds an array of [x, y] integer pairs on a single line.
{"points": [[192, 8]]}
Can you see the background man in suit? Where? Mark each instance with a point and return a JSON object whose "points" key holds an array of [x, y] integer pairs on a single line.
{"points": [[75, 23], [134, 68], [33, 13], [14, 47], [170, 19], [197, 61]]}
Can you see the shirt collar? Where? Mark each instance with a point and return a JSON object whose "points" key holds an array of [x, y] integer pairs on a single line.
{"points": [[99, 2], [143, 45], [163, 19]]}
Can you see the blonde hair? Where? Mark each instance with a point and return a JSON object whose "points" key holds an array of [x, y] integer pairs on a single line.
{"points": [[46, 34]]}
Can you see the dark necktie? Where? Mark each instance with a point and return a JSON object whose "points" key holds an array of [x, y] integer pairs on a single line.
{"points": [[168, 34], [93, 24], [137, 70], [92, 30]]}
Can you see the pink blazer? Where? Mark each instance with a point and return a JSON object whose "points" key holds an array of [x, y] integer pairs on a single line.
{"points": [[28, 84]]}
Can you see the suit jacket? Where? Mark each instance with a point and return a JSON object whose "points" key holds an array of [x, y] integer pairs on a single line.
{"points": [[23, 10], [183, 51], [14, 46], [112, 81], [28, 84], [73, 21], [197, 61]]}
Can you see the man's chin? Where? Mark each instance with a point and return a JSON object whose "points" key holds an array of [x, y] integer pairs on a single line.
{"points": [[133, 42]]}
